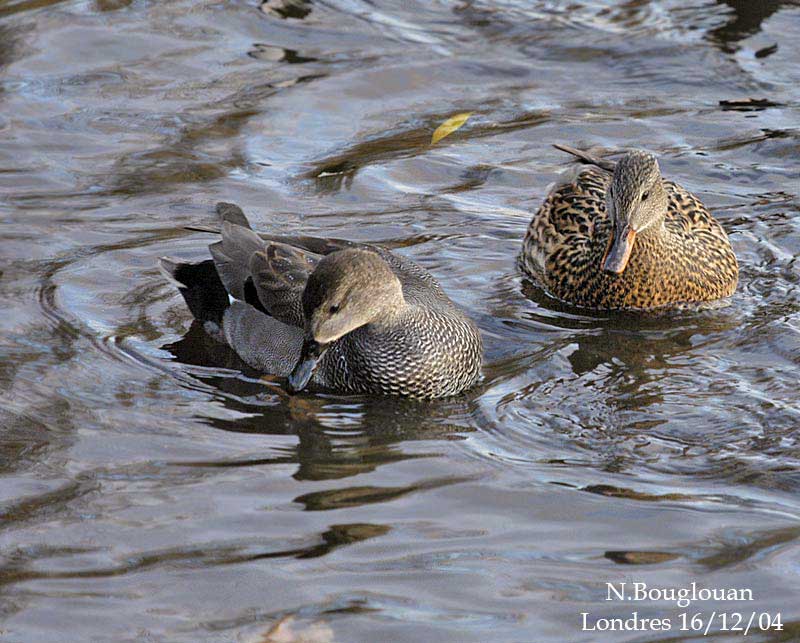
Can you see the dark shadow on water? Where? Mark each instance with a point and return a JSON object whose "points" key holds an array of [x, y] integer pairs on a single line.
{"points": [[270, 53], [192, 557], [197, 348], [746, 20], [735, 549], [338, 436], [287, 9], [634, 346], [11, 8], [330, 499], [184, 156], [336, 172]]}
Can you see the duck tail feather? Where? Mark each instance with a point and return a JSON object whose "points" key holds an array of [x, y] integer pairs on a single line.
{"points": [[201, 228], [231, 213], [586, 157], [227, 213], [201, 287]]}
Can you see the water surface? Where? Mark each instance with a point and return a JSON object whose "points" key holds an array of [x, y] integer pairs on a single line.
{"points": [[155, 490]]}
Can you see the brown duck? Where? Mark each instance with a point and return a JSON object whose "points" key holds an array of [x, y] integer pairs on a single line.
{"points": [[619, 236]]}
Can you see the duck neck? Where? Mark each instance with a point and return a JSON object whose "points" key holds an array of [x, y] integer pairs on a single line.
{"points": [[656, 232], [390, 315], [652, 244]]}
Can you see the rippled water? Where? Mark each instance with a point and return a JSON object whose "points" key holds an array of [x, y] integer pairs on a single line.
{"points": [[154, 490]]}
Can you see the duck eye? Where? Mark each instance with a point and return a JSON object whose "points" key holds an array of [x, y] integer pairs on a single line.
{"points": [[333, 309], [645, 195]]}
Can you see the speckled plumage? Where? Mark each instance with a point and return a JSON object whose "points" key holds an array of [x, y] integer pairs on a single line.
{"points": [[424, 348], [686, 260]]}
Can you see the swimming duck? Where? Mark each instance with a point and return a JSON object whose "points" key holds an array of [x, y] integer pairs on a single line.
{"points": [[347, 316], [619, 236]]}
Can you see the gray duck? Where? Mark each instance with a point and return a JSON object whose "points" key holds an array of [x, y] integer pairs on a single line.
{"points": [[350, 317], [619, 236]]}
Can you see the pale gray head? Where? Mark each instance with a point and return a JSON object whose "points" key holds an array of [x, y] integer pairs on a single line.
{"points": [[348, 289], [636, 201]]}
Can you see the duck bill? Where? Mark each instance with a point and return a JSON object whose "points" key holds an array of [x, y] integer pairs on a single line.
{"points": [[303, 371], [619, 253]]}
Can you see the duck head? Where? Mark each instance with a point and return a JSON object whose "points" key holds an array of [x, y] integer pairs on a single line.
{"points": [[637, 202], [347, 290]]}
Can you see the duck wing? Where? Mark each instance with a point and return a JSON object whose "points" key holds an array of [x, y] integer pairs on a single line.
{"points": [[295, 255], [586, 157], [232, 213], [279, 273], [569, 225], [702, 244], [687, 214], [268, 275], [271, 271], [419, 286], [232, 255]]}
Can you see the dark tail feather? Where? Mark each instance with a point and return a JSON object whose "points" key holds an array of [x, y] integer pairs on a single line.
{"points": [[232, 214], [226, 212], [200, 286], [585, 157]]}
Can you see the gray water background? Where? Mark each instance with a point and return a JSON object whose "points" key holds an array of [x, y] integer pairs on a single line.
{"points": [[153, 490]]}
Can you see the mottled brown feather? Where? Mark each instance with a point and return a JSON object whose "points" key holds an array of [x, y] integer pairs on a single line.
{"points": [[690, 261]]}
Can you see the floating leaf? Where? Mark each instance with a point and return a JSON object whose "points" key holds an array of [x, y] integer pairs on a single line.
{"points": [[640, 557], [286, 631], [449, 126], [748, 104]]}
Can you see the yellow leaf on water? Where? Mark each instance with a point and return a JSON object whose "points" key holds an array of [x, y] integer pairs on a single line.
{"points": [[287, 631], [449, 126]]}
